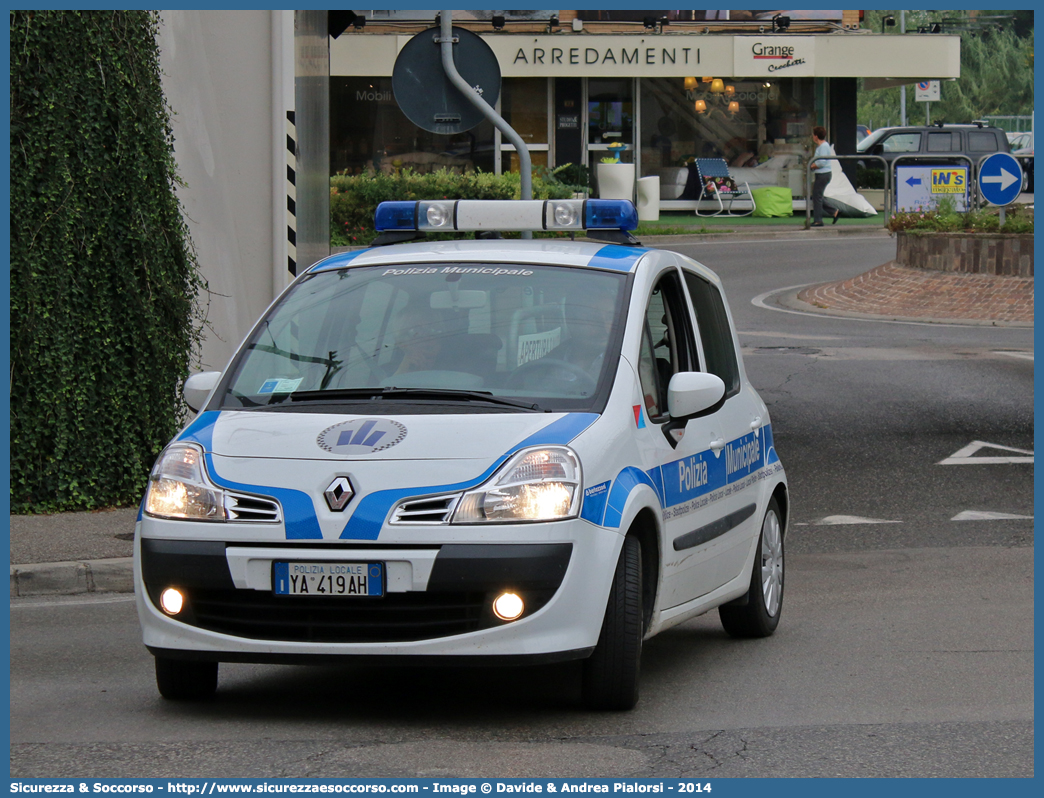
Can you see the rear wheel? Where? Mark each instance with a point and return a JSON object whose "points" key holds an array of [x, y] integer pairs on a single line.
{"points": [[185, 680], [758, 613], [611, 673]]}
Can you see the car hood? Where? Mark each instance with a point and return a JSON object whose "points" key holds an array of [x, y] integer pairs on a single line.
{"points": [[316, 436], [293, 457]]}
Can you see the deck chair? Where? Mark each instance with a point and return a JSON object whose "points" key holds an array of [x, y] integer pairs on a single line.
{"points": [[715, 172]]}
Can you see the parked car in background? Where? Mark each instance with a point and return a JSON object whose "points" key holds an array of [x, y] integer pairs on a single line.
{"points": [[935, 141], [1022, 148], [862, 131]]}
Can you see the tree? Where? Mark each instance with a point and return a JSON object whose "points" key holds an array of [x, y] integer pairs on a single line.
{"points": [[996, 69]]}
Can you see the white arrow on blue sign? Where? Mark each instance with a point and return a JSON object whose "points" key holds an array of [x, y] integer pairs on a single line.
{"points": [[1000, 179]]}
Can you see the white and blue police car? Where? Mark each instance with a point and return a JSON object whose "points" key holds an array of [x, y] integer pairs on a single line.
{"points": [[458, 451]]}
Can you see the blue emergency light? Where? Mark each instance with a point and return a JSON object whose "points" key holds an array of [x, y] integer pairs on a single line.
{"points": [[435, 216]]}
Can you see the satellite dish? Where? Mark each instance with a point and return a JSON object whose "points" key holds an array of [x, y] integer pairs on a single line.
{"points": [[425, 94]]}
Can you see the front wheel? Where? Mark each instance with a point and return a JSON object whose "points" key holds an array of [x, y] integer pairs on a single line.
{"points": [[185, 680], [757, 613], [611, 673]]}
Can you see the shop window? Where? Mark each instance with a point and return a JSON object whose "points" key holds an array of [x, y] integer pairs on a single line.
{"points": [[767, 128], [368, 133], [524, 106], [610, 118]]}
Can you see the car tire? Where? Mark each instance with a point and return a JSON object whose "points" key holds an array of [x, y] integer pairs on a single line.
{"points": [[757, 613], [185, 680], [611, 673]]}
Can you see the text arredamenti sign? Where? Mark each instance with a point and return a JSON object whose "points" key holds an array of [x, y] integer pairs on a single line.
{"points": [[594, 56], [774, 56]]}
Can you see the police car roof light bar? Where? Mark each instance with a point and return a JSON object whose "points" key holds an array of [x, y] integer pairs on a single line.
{"points": [[433, 216]]}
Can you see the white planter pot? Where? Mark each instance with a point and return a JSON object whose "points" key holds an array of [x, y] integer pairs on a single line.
{"points": [[649, 199], [875, 196], [615, 181]]}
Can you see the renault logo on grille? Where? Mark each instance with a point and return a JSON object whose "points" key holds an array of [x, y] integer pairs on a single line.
{"points": [[339, 494]]}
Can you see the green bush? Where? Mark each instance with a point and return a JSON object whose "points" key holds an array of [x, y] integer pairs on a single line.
{"points": [[354, 198], [103, 277], [869, 178], [945, 218]]}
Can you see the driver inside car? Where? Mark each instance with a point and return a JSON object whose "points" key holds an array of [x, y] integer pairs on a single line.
{"points": [[589, 321]]}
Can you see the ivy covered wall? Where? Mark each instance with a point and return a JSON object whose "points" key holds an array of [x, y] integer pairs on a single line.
{"points": [[104, 318]]}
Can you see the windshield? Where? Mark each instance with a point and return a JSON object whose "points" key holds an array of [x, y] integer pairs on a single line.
{"points": [[872, 139], [542, 337]]}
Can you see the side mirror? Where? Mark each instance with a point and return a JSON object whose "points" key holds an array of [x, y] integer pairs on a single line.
{"points": [[198, 387], [692, 392]]}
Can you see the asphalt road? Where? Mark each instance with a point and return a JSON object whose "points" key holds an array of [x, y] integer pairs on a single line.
{"points": [[905, 647]]}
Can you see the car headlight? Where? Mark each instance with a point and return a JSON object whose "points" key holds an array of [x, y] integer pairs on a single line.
{"points": [[534, 485], [179, 488]]}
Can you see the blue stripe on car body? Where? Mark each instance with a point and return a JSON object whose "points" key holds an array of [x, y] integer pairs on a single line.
{"points": [[626, 481], [299, 516], [338, 261], [617, 258], [369, 515], [692, 476]]}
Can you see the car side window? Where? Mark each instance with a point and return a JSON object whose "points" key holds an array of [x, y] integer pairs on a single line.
{"points": [[715, 332], [667, 345], [903, 142], [982, 141], [941, 142]]}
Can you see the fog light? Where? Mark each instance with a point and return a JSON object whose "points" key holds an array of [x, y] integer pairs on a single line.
{"points": [[171, 601], [508, 606]]}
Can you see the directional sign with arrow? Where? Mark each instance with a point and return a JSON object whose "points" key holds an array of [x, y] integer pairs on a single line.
{"points": [[1000, 179], [920, 186]]}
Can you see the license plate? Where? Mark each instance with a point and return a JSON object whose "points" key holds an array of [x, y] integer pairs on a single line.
{"points": [[328, 578]]}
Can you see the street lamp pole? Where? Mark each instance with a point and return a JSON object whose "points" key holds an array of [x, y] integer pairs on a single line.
{"points": [[902, 89]]}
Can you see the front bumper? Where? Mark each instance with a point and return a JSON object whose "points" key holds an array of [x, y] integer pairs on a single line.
{"points": [[437, 602]]}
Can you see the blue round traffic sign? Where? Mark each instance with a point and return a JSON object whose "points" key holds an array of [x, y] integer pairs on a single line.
{"points": [[1000, 179]]}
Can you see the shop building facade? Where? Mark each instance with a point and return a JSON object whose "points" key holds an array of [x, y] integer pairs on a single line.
{"points": [[263, 96], [670, 93]]}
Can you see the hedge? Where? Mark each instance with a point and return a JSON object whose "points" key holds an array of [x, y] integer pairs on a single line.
{"points": [[354, 198], [104, 318]]}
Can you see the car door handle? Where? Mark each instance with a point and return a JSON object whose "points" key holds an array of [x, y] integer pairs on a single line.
{"points": [[717, 444], [755, 423]]}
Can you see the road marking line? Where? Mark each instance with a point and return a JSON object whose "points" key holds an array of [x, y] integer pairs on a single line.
{"points": [[839, 520], [1020, 355], [983, 515], [966, 456]]}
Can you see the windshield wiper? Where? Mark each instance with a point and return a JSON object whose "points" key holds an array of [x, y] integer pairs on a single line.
{"points": [[451, 393], [378, 394]]}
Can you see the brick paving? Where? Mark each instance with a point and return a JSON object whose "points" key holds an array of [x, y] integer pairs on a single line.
{"points": [[897, 291]]}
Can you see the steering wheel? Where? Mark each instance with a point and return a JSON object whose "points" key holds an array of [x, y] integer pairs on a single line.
{"points": [[584, 382]]}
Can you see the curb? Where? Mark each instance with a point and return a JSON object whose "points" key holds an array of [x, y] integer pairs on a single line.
{"points": [[749, 234], [114, 575], [766, 235], [787, 299]]}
